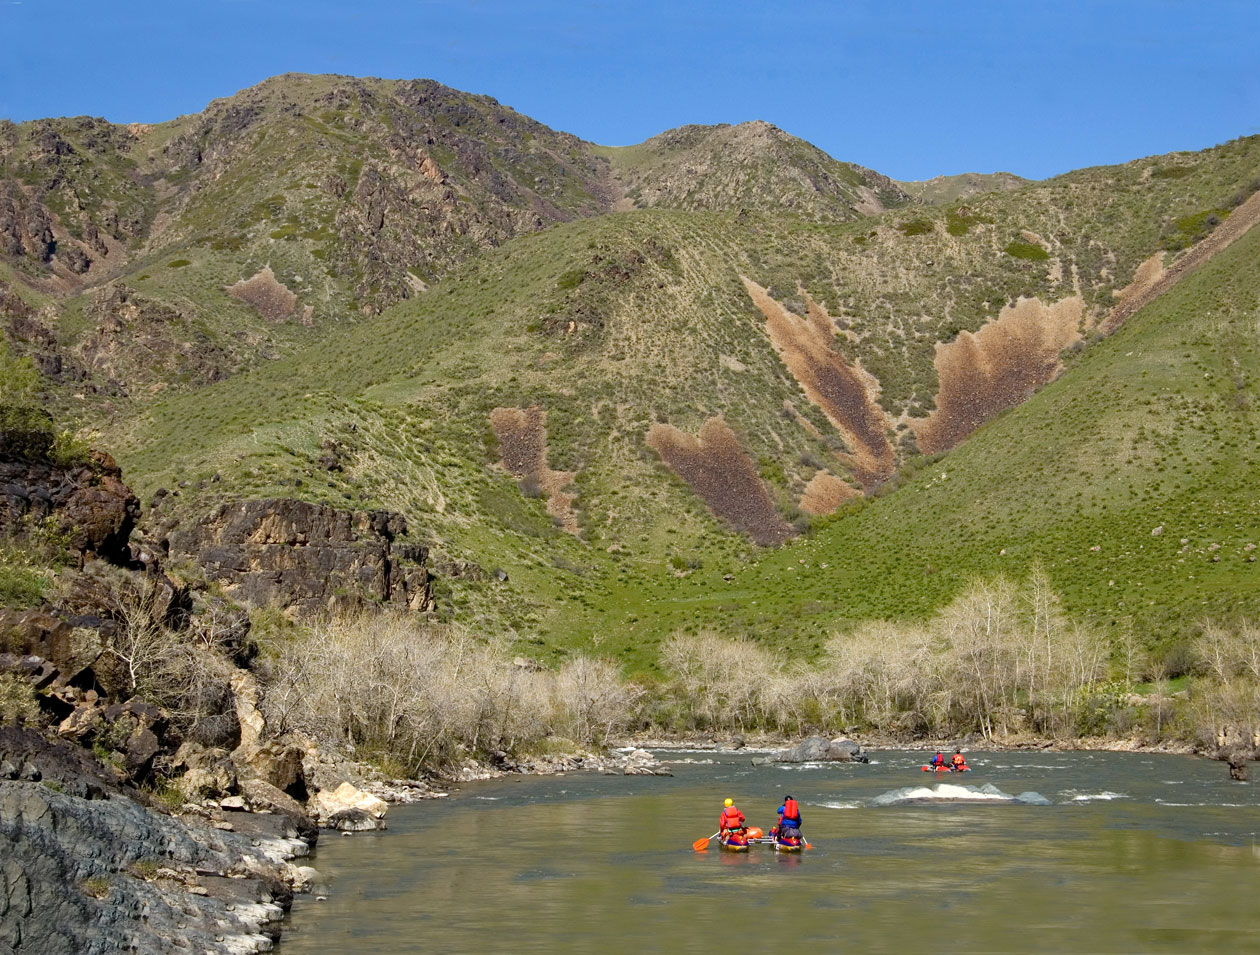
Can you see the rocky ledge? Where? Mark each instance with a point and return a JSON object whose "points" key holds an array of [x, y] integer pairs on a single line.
{"points": [[308, 558], [92, 866]]}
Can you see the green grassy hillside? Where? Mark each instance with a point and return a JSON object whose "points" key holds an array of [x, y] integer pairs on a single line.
{"points": [[1131, 480], [428, 270], [615, 323]]}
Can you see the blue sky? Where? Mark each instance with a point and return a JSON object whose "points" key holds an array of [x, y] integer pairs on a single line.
{"points": [[913, 89]]}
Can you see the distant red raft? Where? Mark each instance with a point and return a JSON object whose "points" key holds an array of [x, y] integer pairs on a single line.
{"points": [[945, 769]]}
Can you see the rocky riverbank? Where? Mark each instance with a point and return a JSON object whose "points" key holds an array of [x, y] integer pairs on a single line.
{"points": [[94, 865]]}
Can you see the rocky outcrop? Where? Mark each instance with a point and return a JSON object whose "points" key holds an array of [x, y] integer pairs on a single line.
{"points": [[138, 345], [752, 165], [88, 501], [134, 734], [88, 867], [818, 749], [25, 228], [307, 558]]}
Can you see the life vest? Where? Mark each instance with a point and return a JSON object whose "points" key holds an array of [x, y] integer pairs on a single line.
{"points": [[791, 811], [938, 760], [732, 818], [959, 759]]}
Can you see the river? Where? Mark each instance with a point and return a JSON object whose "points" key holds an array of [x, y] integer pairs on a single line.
{"points": [[1132, 853]]}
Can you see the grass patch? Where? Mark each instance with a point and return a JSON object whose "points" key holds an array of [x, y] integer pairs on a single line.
{"points": [[1026, 251], [916, 227]]}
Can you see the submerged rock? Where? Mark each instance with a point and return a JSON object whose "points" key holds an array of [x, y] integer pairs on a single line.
{"points": [[950, 792]]}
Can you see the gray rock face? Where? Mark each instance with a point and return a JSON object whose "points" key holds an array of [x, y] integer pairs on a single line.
{"points": [[89, 869], [353, 820], [817, 749], [309, 557]]}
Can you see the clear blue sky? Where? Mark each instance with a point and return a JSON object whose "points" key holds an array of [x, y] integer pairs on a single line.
{"points": [[912, 89]]}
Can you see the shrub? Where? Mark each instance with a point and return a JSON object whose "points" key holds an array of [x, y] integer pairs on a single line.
{"points": [[570, 279], [17, 700], [423, 693], [916, 227], [1028, 251]]}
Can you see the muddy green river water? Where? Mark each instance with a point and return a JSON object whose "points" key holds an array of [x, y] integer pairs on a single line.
{"points": [[1121, 853]]}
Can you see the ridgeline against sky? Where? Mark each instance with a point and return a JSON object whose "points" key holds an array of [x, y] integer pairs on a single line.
{"points": [[913, 89]]}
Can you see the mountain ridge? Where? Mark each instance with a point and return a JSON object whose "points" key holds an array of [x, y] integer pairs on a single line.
{"points": [[560, 390]]}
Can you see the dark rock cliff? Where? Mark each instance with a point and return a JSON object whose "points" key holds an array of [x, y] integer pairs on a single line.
{"points": [[87, 501], [309, 558]]}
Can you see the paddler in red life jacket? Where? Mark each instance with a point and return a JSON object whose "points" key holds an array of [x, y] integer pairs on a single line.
{"points": [[789, 818], [938, 761], [960, 761], [731, 820]]}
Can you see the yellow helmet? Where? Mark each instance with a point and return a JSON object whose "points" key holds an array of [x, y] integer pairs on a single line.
{"points": [[729, 803]]}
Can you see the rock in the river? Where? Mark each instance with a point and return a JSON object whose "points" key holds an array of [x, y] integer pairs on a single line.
{"points": [[347, 806], [642, 763], [353, 820], [818, 749]]}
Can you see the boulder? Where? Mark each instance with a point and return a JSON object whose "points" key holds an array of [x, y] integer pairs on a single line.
{"points": [[353, 820], [818, 749], [641, 763], [209, 772], [277, 762], [266, 797], [329, 805]]}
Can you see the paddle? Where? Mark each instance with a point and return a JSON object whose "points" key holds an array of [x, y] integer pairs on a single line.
{"points": [[701, 844]]}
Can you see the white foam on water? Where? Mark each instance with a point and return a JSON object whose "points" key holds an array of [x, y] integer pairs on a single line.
{"points": [[1093, 797], [489, 798], [837, 805], [943, 792], [797, 767], [1019, 766], [1200, 805]]}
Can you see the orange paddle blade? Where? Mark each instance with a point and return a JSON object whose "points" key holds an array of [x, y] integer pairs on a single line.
{"points": [[701, 844]]}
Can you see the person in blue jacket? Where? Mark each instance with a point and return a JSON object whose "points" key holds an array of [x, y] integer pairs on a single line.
{"points": [[789, 817]]}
